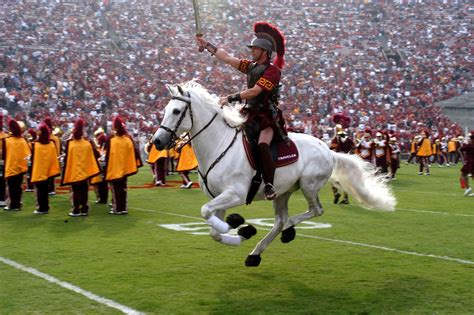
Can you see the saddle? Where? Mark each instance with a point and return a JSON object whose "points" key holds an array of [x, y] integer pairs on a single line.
{"points": [[283, 153]]}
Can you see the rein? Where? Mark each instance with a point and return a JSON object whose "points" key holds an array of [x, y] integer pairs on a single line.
{"points": [[174, 136]]}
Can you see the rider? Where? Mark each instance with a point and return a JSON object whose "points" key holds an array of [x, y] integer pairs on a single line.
{"points": [[261, 95]]}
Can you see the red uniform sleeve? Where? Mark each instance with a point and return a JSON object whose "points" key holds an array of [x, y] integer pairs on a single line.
{"points": [[244, 65], [270, 78]]}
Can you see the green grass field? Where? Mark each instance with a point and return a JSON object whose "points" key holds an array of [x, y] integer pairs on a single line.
{"points": [[419, 259]]}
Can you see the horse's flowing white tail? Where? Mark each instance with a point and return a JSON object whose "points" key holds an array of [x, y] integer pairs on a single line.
{"points": [[359, 179]]}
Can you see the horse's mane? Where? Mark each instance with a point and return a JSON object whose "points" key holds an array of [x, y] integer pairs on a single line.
{"points": [[231, 113]]}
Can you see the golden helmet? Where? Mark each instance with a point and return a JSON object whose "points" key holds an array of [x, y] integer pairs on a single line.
{"points": [[99, 131], [57, 131], [22, 125]]}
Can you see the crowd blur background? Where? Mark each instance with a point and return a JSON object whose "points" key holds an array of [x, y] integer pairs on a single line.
{"points": [[383, 64]]}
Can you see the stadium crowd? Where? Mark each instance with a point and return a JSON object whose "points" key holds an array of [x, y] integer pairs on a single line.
{"points": [[384, 66]]}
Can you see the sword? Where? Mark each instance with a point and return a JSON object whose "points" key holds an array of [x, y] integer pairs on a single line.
{"points": [[197, 22]]}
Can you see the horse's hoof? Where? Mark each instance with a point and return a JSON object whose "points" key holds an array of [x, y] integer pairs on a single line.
{"points": [[247, 231], [235, 220], [288, 235], [253, 260]]}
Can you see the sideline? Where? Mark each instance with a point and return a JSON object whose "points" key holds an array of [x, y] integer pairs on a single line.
{"points": [[66, 285], [458, 260]]}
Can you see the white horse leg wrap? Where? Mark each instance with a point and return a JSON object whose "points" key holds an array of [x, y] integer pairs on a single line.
{"points": [[219, 225], [233, 240]]}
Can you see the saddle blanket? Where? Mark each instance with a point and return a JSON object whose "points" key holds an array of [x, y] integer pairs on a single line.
{"points": [[283, 153]]}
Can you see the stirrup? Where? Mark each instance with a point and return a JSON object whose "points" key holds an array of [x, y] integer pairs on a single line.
{"points": [[269, 191]]}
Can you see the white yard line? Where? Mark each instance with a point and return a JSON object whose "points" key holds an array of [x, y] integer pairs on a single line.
{"points": [[458, 260], [66, 285]]}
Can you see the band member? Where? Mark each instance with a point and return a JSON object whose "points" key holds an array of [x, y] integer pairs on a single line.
{"points": [[15, 155], [453, 150], [381, 146], [100, 185], [122, 160], [424, 152], [341, 143], [468, 168], [262, 93], [444, 151], [57, 143], [413, 143], [186, 161], [365, 146], [80, 164], [2, 180], [394, 149], [158, 161], [45, 166]]}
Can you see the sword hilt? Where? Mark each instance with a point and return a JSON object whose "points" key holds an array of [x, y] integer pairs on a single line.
{"points": [[201, 49]]}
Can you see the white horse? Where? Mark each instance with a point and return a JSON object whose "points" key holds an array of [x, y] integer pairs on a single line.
{"points": [[226, 174]]}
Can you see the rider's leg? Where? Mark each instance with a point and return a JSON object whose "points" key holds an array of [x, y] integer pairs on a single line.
{"points": [[268, 167]]}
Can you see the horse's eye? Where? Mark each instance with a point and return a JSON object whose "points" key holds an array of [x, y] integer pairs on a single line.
{"points": [[176, 111]]}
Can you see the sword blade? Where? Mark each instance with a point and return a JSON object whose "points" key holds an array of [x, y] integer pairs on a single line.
{"points": [[197, 19]]}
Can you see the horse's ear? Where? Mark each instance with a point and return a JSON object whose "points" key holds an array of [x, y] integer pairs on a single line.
{"points": [[180, 90], [170, 89]]}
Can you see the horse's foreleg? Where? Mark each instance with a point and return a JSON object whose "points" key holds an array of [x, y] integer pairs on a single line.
{"points": [[281, 216], [214, 212]]}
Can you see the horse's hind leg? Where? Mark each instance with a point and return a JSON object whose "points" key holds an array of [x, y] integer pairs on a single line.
{"points": [[281, 216], [310, 188]]}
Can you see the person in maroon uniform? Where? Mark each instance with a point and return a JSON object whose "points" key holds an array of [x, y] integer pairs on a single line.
{"points": [[341, 143], [262, 93], [467, 170]]}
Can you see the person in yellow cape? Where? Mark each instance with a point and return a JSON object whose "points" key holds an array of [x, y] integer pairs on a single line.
{"points": [[158, 161], [122, 160], [57, 144], [15, 154], [186, 162], [44, 167], [100, 185], [80, 164], [424, 152], [2, 181]]}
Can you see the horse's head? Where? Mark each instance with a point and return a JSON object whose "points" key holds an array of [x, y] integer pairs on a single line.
{"points": [[177, 119]]}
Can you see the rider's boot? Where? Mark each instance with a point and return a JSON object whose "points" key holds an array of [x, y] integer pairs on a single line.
{"points": [[268, 170]]}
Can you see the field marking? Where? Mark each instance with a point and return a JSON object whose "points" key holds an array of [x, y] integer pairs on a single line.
{"points": [[66, 285], [458, 260], [403, 209]]}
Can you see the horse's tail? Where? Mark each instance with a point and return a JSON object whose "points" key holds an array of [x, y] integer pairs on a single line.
{"points": [[359, 179]]}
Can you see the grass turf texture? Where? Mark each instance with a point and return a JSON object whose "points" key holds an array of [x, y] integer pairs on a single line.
{"points": [[135, 262]]}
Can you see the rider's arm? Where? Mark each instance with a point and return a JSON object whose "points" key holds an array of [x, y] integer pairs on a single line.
{"points": [[245, 94], [220, 53]]}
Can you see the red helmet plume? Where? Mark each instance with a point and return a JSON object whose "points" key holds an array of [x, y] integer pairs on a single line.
{"points": [[119, 126], [48, 122], [14, 128], [342, 120], [273, 34], [44, 133], [78, 130]]}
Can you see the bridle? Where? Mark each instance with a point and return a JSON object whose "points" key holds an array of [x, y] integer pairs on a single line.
{"points": [[187, 99]]}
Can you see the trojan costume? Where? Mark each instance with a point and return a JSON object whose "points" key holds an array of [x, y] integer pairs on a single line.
{"points": [[99, 183], [122, 160], [424, 152], [341, 143], [262, 110], [382, 157], [57, 143], [158, 161], [365, 147], [45, 167], [15, 155], [2, 180], [186, 162], [80, 164]]}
